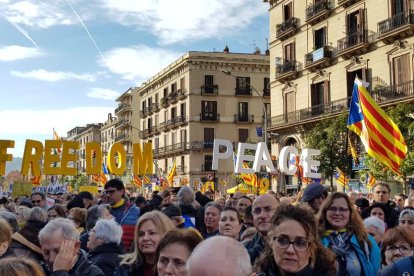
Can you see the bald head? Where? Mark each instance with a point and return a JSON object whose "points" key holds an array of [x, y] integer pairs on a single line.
{"points": [[264, 207], [219, 256]]}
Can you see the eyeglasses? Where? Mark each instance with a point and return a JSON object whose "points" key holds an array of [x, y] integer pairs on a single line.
{"points": [[404, 249], [338, 209], [258, 210], [36, 201], [299, 245], [110, 191]]}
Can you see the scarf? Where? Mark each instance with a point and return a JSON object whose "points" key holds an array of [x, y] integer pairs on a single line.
{"points": [[340, 245], [119, 203]]}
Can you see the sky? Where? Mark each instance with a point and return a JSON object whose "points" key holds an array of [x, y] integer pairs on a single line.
{"points": [[63, 63]]}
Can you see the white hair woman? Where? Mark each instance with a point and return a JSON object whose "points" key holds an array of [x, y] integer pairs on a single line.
{"points": [[105, 245], [375, 227]]}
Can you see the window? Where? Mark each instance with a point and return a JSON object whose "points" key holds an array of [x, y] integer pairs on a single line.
{"points": [[183, 110], [242, 83], [165, 92], [243, 112], [266, 87], [243, 135], [355, 23], [208, 137], [144, 105], [173, 138], [401, 70], [208, 110], [208, 80], [157, 120], [208, 162], [320, 38], [165, 115], [165, 140], [173, 87], [156, 98], [399, 6], [173, 113], [289, 52], [183, 136], [156, 143], [150, 102], [149, 123], [182, 83], [319, 96], [287, 11], [289, 102]]}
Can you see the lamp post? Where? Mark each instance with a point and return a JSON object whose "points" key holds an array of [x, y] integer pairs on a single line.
{"points": [[228, 73]]}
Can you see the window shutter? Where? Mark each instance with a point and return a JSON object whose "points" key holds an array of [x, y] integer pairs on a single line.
{"points": [[326, 92]]}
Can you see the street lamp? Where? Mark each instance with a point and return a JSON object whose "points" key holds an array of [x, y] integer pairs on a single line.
{"points": [[228, 73]]}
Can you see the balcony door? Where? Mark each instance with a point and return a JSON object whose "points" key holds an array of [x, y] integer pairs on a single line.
{"points": [[208, 110], [401, 72], [319, 97], [243, 112], [208, 137], [399, 6]]}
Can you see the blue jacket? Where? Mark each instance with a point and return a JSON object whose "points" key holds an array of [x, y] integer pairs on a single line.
{"points": [[370, 261], [127, 216], [399, 267]]}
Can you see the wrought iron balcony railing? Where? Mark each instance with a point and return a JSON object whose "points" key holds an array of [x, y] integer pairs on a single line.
{"points": [[209, 89], [209, 117], [238, 118], [396, 22]]}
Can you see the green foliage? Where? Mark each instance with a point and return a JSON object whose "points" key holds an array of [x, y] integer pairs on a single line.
{"points": [[78, 180], [400, 115], [330, 137]]}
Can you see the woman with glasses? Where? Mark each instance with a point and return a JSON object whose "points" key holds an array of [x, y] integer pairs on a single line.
{"points": [[343, 231], [397, 243], [294, 247]]}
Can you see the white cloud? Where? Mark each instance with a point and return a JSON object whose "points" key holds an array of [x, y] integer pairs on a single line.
{"points": [[15, 52], [103, 93], [37, 124], [52, 76], [39, 14], [137, 63], [185, 20]]}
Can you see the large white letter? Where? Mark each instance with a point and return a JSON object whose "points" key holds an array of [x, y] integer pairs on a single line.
{"points": [[308, 163], [221, 155], [262, 158], [241, 157], [283, 160]]}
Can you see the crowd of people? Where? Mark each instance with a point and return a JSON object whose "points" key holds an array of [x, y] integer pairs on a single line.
{"points": [[180, 231]]}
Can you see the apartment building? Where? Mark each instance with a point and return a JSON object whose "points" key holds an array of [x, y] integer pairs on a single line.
{"points": [[184, 107], [127, 126], [317, 48], [108, 134], [83, 135]]}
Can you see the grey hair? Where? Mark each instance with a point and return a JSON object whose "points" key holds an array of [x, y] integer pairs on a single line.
{"points": [[94, 214], [378, 223], [230, 257], [214, 204], [406, 212], [37, 214], [185, 196], [60, 225], [109, 231], [11, 219], [410, 198]]}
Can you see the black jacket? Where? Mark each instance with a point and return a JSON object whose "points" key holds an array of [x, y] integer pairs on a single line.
{"points": [[106, 257], [254, 247], [82, 267]]}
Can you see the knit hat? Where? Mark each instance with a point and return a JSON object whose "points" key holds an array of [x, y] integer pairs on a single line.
{"points": [[172, 211], [362, 202], [312, 191]]}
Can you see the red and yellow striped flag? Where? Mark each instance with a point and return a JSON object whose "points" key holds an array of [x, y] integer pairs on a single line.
{"points": [[137, 181], [370, 181], [172, 173], [146, 180], [341, 178], [380, 136]]}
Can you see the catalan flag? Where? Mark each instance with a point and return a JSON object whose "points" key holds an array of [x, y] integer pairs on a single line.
{"points": [[380, 136], [146, 179], [172, 173], [248, 178], [369, 180], [137, 181], [341, 178]]}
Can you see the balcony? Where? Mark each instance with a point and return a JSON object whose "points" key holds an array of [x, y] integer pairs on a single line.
{"points": [[180, 120], [287, 28], [287, 69], [121, 138], [171, 150], [154, 130], [201, 145], [145, 133], [143, 113], [148, 110], [243, 91], [398, 26], [397, 92], [173, 97], [238, 118], [266, 92], [122, 107], [182, 94], [165, 102], [155, 107], [318, 11], [318, 59], [355, 44], [209, 89], [310, 112], [209, 117], [122, 123], [346, 3]]}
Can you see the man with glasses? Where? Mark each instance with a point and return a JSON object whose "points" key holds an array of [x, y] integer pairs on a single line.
{"points": [[125, 213], [263, 209], [38, 199]]}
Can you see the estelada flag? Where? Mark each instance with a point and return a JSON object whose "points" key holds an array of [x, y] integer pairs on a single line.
{"points": [[380, 136]]}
